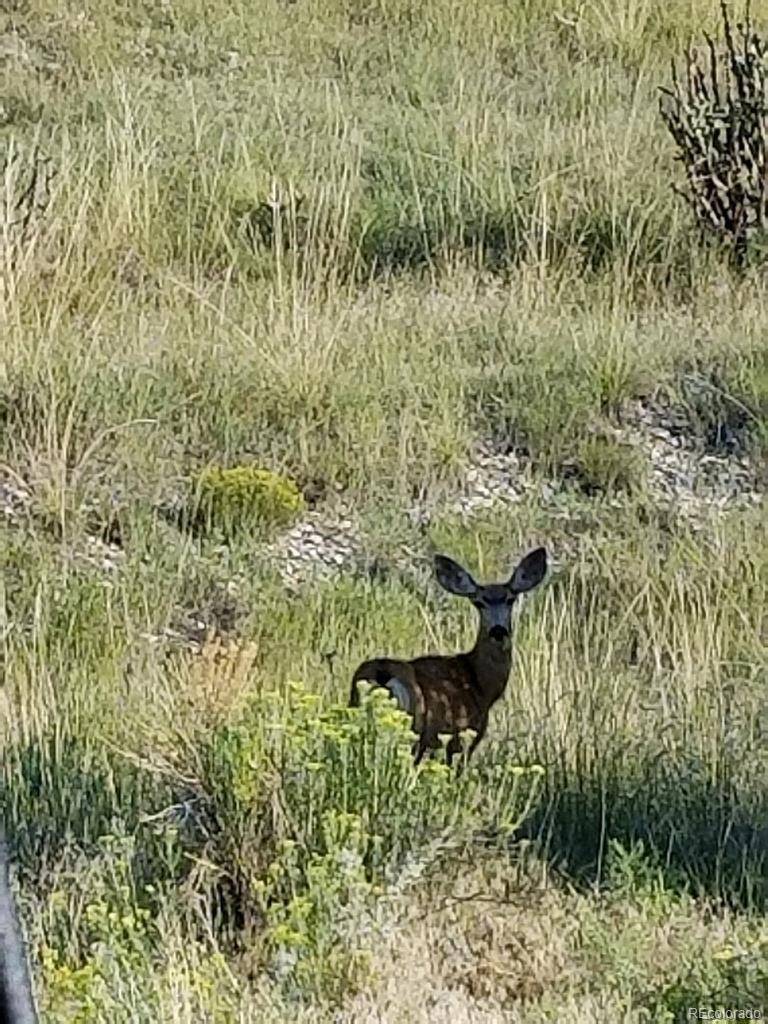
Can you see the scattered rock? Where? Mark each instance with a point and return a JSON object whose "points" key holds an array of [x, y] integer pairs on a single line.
{"points": [[687, 477], [190, 639], [320, 546], [15, 500], [100, 555], [496, 475], [682, 473]]}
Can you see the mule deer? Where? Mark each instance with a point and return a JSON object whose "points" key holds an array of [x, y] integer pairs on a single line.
{"points": [[451, 693]]}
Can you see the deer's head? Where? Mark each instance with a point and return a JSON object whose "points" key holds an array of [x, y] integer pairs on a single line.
{"points": [[494, 601]]}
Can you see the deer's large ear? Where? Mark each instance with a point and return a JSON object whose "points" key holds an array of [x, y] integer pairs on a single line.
{"points": [[529, 573], [453, 578]]}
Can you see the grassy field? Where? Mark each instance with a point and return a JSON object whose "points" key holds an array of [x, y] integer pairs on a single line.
{"points": [[342, 240]]}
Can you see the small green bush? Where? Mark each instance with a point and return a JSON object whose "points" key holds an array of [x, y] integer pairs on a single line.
{"points": [[731, 977], [245, 497]]}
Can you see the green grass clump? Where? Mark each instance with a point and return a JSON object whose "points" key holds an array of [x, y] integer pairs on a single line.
{"points": [[244, 498], [603, 465]]}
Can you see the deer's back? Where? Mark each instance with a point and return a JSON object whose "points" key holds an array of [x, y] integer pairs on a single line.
{"points": [[442, 694]]}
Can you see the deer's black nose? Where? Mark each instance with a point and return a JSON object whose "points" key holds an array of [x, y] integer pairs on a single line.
{"points": [[498, 633]]}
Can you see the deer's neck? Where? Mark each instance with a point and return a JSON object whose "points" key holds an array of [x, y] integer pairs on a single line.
{"points": [[490, 662]]}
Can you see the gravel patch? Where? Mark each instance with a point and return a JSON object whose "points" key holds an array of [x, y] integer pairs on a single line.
{"points": [[683, 477], [322, 545], [15, 500]]}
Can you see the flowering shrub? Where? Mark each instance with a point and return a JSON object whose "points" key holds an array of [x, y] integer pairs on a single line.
{"points": [[80, 964], [333, 818]]}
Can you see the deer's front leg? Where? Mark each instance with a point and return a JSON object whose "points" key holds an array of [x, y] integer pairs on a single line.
{"points": [[453, 747]]}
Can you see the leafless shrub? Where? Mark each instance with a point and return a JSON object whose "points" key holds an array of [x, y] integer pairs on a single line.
{"points": [[716, 112]]}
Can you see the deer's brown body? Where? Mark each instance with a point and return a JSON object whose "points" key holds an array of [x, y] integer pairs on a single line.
{"points": [[451, 693]]}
